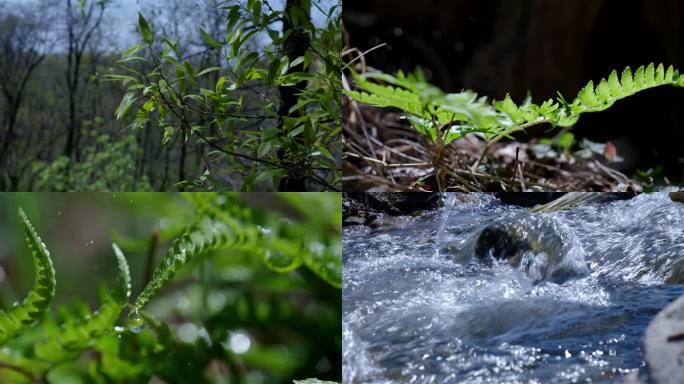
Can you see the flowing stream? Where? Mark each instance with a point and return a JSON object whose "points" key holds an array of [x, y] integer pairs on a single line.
{"points": [[572, 308]]}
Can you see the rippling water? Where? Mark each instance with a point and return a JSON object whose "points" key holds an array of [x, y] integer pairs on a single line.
{"points": [[418, 308]]}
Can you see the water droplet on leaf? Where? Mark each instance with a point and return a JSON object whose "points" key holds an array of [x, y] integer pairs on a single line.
{"points": [[135, 322]]}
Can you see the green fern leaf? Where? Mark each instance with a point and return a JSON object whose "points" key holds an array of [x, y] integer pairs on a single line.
{"points": [[326, 262], [548, 109], [384, 96], [627, 81], [614, 85], [77, 335], [660, 74], [639, 78], [426, 106], [603, 92], [587, 95], [39, 298], [611, 90], [649, 76], [509, 107], [669, 75], [206, 235]]}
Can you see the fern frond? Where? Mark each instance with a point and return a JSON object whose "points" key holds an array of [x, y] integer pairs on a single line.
{"points": [[78, 335], [281, 244], [609, 91], [39, 298], [384, 96], [426, 106], [206, 235]]}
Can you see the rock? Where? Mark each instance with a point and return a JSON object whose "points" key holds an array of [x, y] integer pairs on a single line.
{"points": [[369, 206], [677, 197], [677, 274], [538, 245], [495, 241], [664, 344]]}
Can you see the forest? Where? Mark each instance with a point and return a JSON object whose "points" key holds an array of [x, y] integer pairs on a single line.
{"points": [[141, 95]]}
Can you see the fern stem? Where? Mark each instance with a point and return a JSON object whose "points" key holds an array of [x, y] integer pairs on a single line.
{"points": [[18, 369], [509, 132], [151, 253]]}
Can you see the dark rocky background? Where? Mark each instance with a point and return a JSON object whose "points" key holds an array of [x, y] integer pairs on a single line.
{"points": [[541, 46]]}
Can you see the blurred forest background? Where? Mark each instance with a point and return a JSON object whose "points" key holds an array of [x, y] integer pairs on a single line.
{"points": [[501, 46], [58, 130], [274, 327]]}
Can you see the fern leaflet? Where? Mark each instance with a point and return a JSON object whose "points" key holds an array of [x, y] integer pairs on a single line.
{"points": [[78, 335], [39, 298]]}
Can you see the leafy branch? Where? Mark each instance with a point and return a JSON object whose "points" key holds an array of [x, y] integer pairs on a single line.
{"points": [[274, 143]]}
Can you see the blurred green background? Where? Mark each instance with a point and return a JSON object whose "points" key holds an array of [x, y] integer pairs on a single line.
{"points": [[234, 320]]}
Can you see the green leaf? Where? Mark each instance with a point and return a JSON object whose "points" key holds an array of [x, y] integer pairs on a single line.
{"points": [[566, 141], [508, 107], [219, 84], [264, 149], [208, 70], [256, 11], [132, 51], [268, 174], [125, 106], [273, 69], [211, 42], [144, 28], [38, 300]]}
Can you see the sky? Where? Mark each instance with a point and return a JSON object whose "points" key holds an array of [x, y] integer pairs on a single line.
{"points": [[124, 14]]}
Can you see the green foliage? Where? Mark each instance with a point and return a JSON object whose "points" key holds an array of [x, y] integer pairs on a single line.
{"points": [[82, 332], [232, 101], [282, 244], [38, 300], [108, 165], [281, 231], [145, 31], [429, 109]]}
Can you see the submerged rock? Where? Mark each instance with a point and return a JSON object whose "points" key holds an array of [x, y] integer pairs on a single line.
{"points": [[677, 274], [538, 245], [664, 345]]}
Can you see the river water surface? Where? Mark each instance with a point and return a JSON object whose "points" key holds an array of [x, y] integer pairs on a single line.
{"points": [[419, 309]]}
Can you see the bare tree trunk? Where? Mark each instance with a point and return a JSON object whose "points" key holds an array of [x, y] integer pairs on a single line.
{"points": [[89, 19]]}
